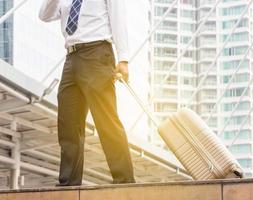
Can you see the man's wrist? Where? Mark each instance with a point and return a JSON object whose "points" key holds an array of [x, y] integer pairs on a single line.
{"points": [[123, 62]]}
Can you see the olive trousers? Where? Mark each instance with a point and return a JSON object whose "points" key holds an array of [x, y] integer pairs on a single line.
{"points": [[87, 83]]}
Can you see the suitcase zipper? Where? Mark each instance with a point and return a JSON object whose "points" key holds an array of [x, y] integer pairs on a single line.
{"points": [[198, 147]]}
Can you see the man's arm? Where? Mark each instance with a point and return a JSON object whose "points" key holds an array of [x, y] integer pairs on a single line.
{"points": [[50, 10], [118, 22]]}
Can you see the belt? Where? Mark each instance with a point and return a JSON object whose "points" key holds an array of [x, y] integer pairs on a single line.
{"points": [[76, 47]]}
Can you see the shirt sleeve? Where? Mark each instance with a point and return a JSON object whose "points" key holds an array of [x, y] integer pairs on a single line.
{"points": [[118, 22], [50, 10]]}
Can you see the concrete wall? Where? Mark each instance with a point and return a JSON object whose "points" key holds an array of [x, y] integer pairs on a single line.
{"points": [[214, 190]]}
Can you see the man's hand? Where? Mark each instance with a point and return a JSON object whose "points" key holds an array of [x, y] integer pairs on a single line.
{"points": [[122, 68]]}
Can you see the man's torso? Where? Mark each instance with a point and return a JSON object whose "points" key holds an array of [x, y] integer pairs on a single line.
{"points": [[93, 22]]}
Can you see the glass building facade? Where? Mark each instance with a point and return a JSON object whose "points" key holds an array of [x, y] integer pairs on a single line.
{"points": [[238, 132], [169, 42], [6, 33]]}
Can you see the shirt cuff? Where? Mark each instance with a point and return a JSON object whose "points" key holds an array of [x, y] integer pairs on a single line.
{"points": [[123, 57]]}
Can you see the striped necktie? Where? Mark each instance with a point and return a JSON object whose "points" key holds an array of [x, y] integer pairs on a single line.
{"points": [[73, 17]]}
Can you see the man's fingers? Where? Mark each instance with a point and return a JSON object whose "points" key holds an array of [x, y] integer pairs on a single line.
{"points": [[122, 68], [125, 74], [126, 77]]}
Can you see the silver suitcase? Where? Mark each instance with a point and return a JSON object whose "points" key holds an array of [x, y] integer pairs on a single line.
{"points": [[199, 150], [194, 144]]}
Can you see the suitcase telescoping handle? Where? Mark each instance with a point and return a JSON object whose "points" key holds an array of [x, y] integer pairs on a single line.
{"points": [[154, 120], [138, 100], [202, 153]]}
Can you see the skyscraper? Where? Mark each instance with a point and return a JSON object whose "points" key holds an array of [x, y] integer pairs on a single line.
{"points": [[6, 33], [168, 43], [232, 55]]}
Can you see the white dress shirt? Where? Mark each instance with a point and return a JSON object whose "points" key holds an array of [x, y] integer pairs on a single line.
{"points": [[98, 20]]}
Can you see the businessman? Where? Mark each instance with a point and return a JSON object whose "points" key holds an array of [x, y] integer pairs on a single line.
{"points": [[89, 27]]}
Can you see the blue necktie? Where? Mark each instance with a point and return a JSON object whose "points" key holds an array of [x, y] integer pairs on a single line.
{"points": [[73, 16]]}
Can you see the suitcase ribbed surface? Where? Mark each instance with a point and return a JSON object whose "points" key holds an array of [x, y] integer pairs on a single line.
{"points": [[198, 149]]}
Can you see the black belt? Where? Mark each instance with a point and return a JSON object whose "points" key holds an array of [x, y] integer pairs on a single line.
{"points": [[75, 47]]}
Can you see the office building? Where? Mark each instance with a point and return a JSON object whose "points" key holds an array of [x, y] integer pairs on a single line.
{"points": [[6, 33], [167, 94]]}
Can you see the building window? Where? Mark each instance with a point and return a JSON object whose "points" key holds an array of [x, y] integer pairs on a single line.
{"points": [[185, 39], [188, 2], [237, 10], [186, 94], [170, 52], [234, 51], [239, 78], [188, 14], [163, 65], [187, 67], [167, 25], [6, 33], [160, 11], [188, 81], [164, 107], [165, 38], [231, 23], [234, 64], [231, 135], [236, 92], [187, 27], [245, 163], [236, 37], [238, 120], [163, 1], [230, 106], [241, 148]]}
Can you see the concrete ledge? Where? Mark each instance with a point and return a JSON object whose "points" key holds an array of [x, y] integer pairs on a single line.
{"points": [[173, 192], [190, 190], [52, 195], [243, 191]]}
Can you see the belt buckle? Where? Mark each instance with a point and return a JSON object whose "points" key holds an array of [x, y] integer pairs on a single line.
{"points": [[71, 49]]}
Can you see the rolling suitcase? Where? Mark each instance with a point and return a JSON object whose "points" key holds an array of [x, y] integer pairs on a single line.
{"points": [[199, 150], [194, 144]]}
